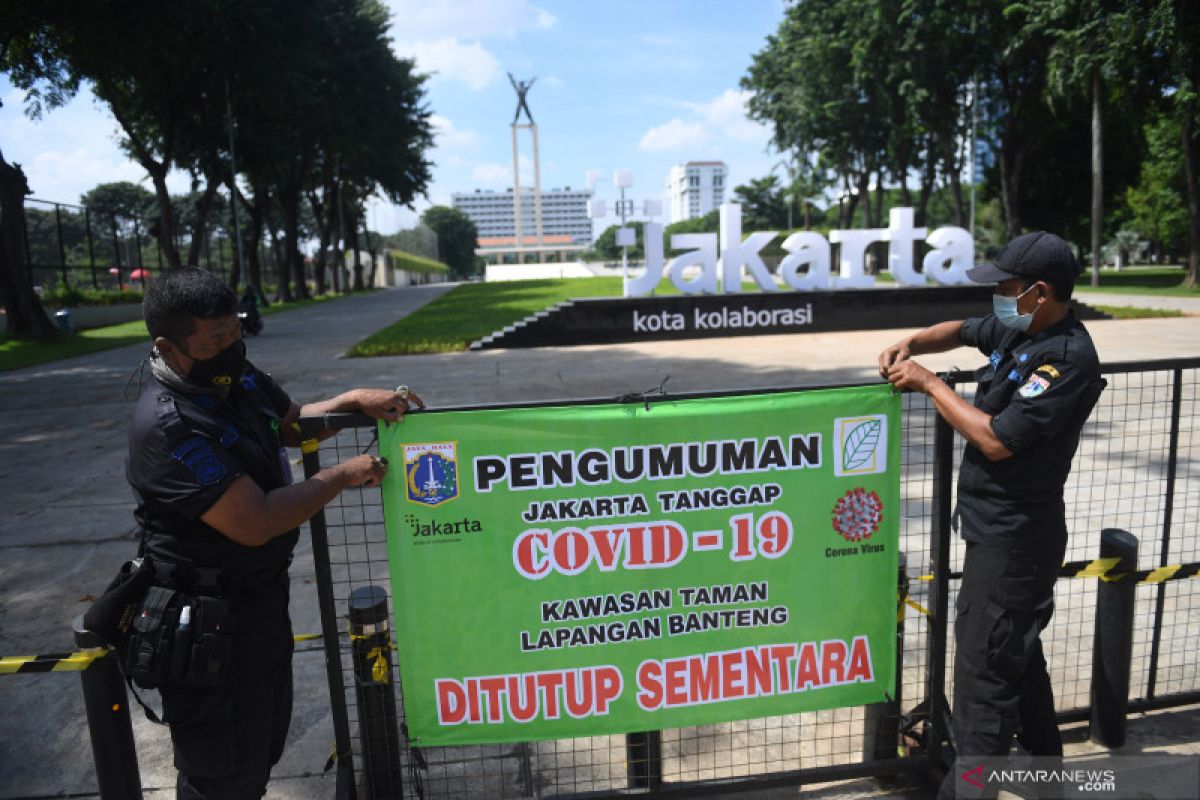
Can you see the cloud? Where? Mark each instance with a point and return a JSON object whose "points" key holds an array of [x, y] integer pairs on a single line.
{"points": [[63, 176], [710, 124], [727, 113], [674, 135], [492, 174], [453, 145], [449, 59], [418, 20]]}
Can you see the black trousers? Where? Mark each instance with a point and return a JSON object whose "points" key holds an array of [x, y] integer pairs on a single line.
{"points": [[226, 743], [1001, 686]]}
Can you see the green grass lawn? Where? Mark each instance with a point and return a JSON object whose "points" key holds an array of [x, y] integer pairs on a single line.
{"points": [[1133, 312], [1164, 281], [474, 310], [17, 352]]}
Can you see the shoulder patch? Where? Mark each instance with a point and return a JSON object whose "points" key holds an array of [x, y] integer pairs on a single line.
{"points": [[1034, 386], [201, 460], [1046, 369]]}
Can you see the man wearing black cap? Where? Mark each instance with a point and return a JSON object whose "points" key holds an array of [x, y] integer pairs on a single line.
{"points": [[1040, 384]]}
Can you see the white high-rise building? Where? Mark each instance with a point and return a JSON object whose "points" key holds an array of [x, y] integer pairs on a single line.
{"points": [[696, 188], [564, 212]]}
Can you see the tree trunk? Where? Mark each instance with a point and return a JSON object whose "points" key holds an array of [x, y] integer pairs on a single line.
{"points": [[352, 227], [864, 191], [237, 268], [200, 231], [879, 192], [1010, 174], [335, 233], [24, 315], [253, 262], [318, 210], [1191, 158], [1097, 175], [291, 241], [166, 213], [952, 172], [283, 292], [370, 252], [928, 178]]}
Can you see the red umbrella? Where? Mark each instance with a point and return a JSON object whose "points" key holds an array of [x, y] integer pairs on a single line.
{"points": [[139, 275], [114, 271]]}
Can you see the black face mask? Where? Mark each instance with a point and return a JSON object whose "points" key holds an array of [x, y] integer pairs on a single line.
{"points": [[222, 370]]}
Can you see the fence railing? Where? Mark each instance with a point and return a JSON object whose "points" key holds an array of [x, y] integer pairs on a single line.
{"points": [[1138, 468], [73, 246]]}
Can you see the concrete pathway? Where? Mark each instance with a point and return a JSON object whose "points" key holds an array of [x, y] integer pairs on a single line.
{"points": [[1188, 305], [66, 523]]}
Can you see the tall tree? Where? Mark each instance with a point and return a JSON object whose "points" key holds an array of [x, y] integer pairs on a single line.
{"points": [[23, 312], [1092, 44], [1012, 96], [1174, 33], [764, 204], [457, 238], [34, 62], [1158, 202], [817, 84]]}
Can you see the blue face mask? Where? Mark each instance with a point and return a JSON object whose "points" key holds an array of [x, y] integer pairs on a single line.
{"points": [[1005, 309]]}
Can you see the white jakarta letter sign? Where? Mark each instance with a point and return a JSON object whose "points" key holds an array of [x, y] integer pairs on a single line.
{"points": [[808, 263]]}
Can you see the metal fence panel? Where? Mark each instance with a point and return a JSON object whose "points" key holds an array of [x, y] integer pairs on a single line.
{"points": [[1121, 478]]}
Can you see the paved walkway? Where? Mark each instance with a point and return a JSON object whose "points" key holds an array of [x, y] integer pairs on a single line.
{"points": [[67, 510], [1188, 305]]}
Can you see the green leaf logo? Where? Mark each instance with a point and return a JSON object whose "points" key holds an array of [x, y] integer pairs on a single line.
{"points": [[860, 445]]}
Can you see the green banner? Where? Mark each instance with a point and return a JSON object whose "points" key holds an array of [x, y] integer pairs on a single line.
{"points": [[596, 569]]}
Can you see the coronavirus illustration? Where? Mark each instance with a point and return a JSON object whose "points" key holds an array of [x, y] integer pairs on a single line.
{"points": [[857, 514]]}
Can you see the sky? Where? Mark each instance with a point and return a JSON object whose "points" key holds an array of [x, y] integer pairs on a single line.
{"points": [[619, 85]]}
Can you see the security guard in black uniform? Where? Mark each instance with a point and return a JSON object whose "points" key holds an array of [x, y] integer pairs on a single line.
{"points": [[1040, 384], [220, 514]]}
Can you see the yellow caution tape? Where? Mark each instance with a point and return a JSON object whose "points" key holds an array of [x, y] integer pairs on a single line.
{"points": [[1103, 568], [379, 665]]}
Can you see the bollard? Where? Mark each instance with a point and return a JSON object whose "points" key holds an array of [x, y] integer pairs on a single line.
{"points": [[109, 726], [881, 726], [371, 646], [643, 756], [1112, 651]]}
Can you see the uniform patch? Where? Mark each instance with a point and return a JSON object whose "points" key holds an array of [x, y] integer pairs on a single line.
{"points": [[1014, 375], [229, 436], [1024, 357], [201, 460], [1049, 370], [431, 472], [248, 382], [1034, 386], [994, 359]]}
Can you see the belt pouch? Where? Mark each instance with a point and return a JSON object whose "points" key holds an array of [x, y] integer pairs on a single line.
{"points": [[212, 643], [149, 662]]}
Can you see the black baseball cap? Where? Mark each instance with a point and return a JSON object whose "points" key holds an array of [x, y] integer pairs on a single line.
{"points": [[1038, 255]]}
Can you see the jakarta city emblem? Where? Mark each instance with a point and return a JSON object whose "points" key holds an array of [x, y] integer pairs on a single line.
{"points": [[431, 472]]}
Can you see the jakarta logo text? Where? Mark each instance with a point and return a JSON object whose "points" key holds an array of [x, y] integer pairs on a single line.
{"points": [[431, 472], [860, 445]]}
